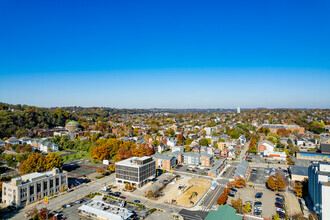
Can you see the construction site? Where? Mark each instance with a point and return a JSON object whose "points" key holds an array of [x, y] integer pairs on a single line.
{"points": [[185, 191]]}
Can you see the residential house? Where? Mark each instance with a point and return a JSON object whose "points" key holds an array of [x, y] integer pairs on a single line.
{"points": [[164, 161], [171, 142], [191, 158], [12, 140], [265, 145], [2, 143], [217, 167], [23, 140], [161, 147], [178, 148], [206, 159], [242, 140], [209, 130]]}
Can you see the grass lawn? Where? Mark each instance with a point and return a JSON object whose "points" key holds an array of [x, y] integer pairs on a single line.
{"points": [[78, 155], [59, 152]]}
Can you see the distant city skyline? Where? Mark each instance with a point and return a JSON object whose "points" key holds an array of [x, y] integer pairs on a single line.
{"points": [[171, 54]]}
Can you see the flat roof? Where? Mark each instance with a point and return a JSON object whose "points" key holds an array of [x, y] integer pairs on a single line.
{"points": [[33, 176], [299, 170], [106, 210], [132, 161]]}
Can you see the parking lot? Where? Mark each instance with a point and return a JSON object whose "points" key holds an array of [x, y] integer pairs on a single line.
{"points": [[192, 169], [261, 159], [268, 200], [259, 176], [70, 213]]}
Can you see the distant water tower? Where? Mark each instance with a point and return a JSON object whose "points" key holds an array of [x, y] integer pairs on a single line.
{"points": [[238, 110]]}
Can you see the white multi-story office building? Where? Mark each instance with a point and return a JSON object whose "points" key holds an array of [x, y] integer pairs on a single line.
{"points": [[319, 188], [33, 187], [136, 171]]}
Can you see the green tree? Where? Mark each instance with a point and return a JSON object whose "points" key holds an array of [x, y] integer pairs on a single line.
{"points": [[203, 142]]}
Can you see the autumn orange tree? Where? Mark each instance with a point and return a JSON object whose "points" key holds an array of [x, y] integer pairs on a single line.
{"points": [[222, 199], [297, 187], [238, 205], [276, 182], [112, 167], [38, 163], [239, 182]]}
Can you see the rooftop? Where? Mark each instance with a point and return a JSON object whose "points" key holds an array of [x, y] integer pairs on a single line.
{"points": [[162, 156], [223, 213], [72, 123], [105, 210], [299, 170], [242, 168], [135, 161]]}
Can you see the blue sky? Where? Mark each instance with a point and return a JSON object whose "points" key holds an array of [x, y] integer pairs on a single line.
{"points": [[171, 54]]}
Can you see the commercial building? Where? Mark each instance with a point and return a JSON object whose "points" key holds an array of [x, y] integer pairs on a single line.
{"points": [[238, 110], [135, 170], [33, 187], [291, 128], [72, 126], [265, 145], [312, 156], [298, 173], [319, 188], [242, 169], [101, 210], [325, 148], [223, 213]]}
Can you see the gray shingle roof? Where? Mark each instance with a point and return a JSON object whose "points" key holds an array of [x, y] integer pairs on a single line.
{"points": [[162, 156], [242, 168]]}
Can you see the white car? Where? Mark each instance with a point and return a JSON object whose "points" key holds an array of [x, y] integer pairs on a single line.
{"points": [[280, 210], [267, 171]]}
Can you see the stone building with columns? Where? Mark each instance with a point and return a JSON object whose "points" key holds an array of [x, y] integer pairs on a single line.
{"points": [[32, 187]]}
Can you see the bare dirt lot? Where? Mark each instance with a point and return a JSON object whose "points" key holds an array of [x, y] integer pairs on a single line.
{"points": [[184, 196]]}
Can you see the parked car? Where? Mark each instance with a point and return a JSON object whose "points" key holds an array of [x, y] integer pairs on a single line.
{"points": [[66, 205], [280, 213], [257, 213], [137, 201], [122, 197], [259, 195], [257, 203], [249, 202], [279, 205], [280, 210], [232, 194], [277, 194], [279, 200]]}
